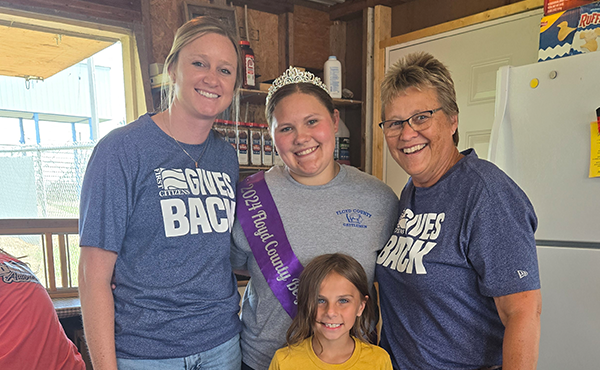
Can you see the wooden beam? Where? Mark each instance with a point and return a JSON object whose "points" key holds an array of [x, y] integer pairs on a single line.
{"points": [[489, 15], [64, 266], [122, 11], [50, 262], [285, 39], [351, 8], [367, 93], [382, 30], [29, 226], [279, 6], [143, 35]]}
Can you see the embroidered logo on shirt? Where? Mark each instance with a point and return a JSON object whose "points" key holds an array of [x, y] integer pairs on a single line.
{"points": [[354, 217], [522, 273]]}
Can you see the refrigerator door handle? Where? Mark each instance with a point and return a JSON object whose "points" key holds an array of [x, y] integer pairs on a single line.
{"points": [[500, 112]]}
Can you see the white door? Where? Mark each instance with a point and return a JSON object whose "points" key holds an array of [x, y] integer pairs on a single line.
{"points": [[473, 54]]}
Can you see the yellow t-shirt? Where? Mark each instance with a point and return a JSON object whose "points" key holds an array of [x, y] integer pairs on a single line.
{"points": [[302, 357]]}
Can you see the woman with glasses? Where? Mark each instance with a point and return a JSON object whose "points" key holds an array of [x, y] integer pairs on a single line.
{"points": [[458, 279]]}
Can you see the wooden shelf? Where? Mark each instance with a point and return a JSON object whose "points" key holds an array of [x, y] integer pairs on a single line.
{"points": [[346, 102]]}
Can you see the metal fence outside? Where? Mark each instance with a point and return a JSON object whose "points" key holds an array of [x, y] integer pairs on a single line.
{"points": [[43, 182]]}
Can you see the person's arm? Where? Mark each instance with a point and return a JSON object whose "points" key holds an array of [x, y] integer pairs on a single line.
{"points": [[97, 305], [520, 314]]}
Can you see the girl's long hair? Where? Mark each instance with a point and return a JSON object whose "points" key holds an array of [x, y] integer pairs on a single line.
{"points": [[308, 292]]}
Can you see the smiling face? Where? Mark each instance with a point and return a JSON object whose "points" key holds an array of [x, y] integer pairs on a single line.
{"points": [[339, 304], [304, 133], [204, 76], [425, 155]]}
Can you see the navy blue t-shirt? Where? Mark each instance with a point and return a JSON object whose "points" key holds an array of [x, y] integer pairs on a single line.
{"points": [[170, 224], [459, 243]]}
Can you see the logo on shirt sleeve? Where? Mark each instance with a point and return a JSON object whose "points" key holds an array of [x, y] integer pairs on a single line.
{"points": [[522, 273], [13, 272]]}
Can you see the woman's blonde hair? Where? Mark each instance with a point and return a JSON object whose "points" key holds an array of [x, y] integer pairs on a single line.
{"points": [[308, 293], [187, 33], [420, 70]]}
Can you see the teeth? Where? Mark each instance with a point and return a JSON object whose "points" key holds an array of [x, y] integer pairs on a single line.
{"points": [[332, 325], [413, 149], [207, 94], [307, 151]]}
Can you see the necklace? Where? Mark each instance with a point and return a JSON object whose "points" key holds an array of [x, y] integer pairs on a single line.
{"points": [[182, 148]]}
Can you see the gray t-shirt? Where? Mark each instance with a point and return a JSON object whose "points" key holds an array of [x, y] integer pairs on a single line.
{"points": [[353, 214]]}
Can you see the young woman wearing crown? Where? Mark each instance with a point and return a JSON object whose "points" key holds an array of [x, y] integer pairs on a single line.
{"points": [[293, 213]]}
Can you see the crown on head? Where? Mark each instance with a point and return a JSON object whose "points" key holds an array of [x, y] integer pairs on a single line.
{"points": [[294, 76]]}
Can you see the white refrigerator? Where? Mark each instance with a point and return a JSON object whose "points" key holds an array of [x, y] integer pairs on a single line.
{"points": [[541, 139]]}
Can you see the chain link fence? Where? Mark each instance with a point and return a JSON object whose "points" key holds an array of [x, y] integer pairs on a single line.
{"points": [[42, 181]]}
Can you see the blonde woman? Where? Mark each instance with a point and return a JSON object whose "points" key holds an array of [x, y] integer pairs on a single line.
{"points": [[156, 210]]}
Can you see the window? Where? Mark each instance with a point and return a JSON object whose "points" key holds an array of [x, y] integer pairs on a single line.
{"points": [[48, 128]]}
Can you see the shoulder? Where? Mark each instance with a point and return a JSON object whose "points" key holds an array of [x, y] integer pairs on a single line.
{"points": [[293, 353], [371, 348], [485, 171], [277, 177], [375, 355], [480, 172], [126, 138], [367, 183]]}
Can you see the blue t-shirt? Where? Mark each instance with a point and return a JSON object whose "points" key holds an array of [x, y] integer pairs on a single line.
{"points": [[170, 224], [459, 243]]}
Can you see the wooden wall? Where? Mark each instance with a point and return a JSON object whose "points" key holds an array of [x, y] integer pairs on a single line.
{"points": [[98, 11], [418, 14], [310, 35]]}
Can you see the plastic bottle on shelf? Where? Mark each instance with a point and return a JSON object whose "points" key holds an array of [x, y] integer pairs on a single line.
{"points": [[256, 137], [277, 161], [267, 146], [341, 152], [332, 74], [244, 146], [248, 60]]}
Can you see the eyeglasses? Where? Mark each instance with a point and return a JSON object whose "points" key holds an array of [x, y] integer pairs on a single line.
{"points": [[418, 122]]}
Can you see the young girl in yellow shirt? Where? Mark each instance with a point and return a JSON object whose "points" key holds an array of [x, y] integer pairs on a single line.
{"points": [[331, 328]]}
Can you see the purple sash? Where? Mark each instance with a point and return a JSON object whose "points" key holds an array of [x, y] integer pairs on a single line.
{"points": [[260, 220]]}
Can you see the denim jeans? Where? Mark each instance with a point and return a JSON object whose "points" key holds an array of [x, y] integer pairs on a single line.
{"points": [[227, 356]]}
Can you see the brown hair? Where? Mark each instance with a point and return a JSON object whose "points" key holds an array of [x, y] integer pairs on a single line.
{"points": [[302, 87], [308, 293], [420, 70], [187, 33]]}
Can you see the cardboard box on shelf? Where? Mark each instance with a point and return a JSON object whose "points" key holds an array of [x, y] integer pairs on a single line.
{"points": [[587, 36], [574, 31], [556, 34], [556, 6]]}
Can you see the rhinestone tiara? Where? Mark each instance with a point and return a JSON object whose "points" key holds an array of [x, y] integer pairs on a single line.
{"points": [[294, 76]]}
